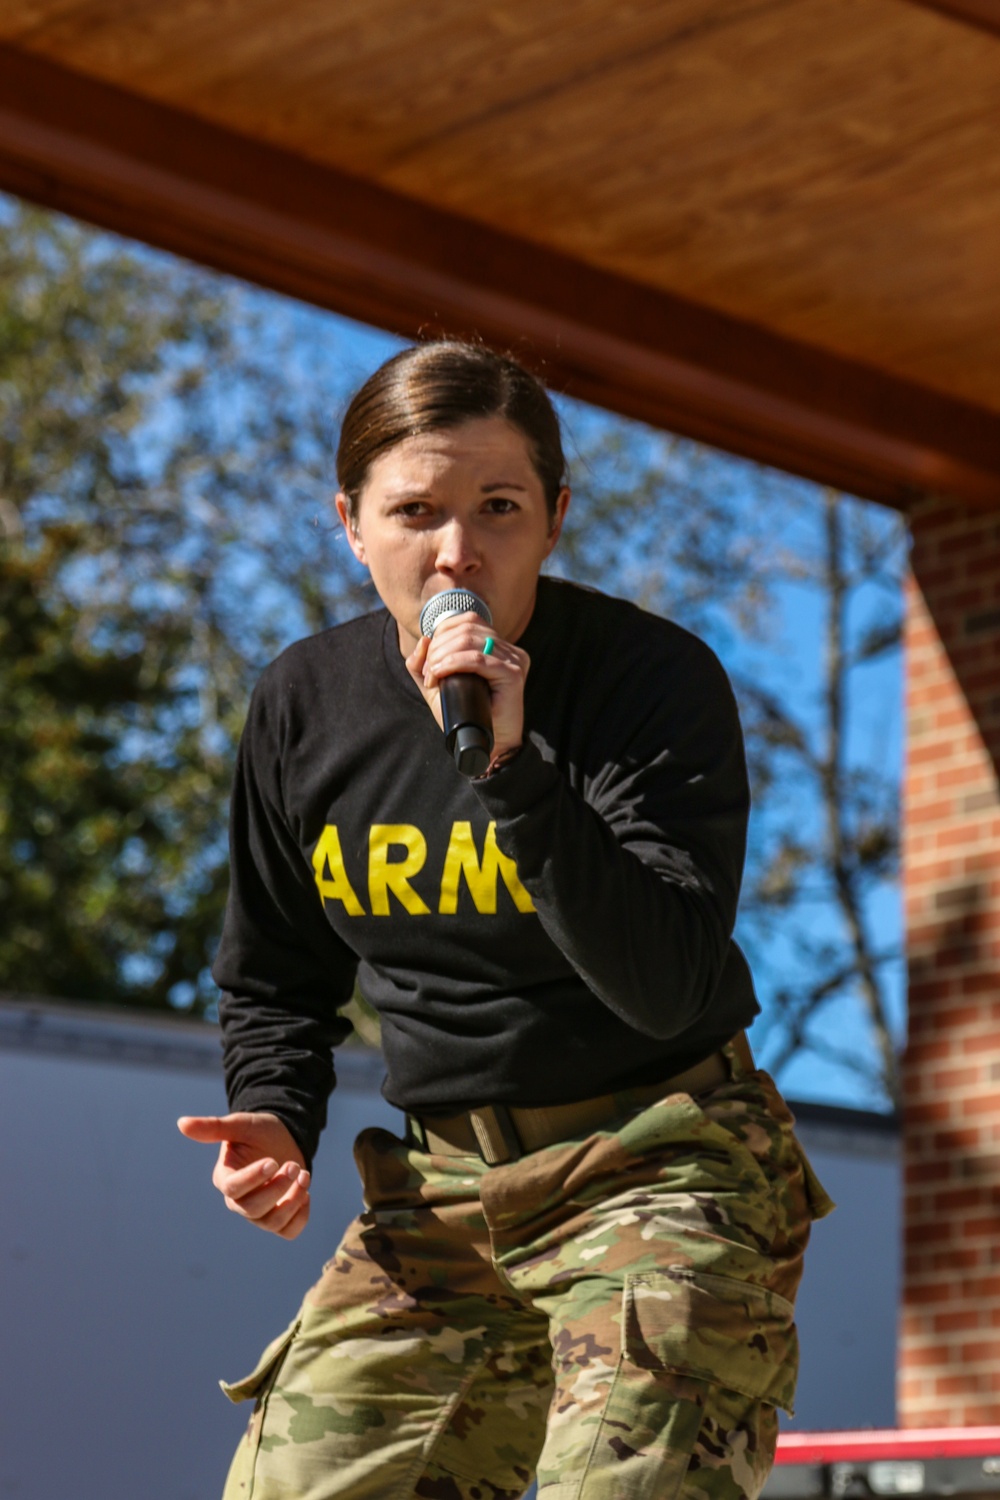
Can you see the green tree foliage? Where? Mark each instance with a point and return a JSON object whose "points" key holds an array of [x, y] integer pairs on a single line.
{"points": [[149, 456], [166, 469]]}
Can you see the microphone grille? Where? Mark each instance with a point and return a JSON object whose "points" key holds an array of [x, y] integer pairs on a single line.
{"points": [[452, 602]]}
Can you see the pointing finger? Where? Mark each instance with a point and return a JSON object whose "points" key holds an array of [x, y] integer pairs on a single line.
{"points": [[211, 1129]]}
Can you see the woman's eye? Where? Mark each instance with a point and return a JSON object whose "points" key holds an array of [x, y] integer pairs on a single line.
{"points": [[500, 505], [411, 508]]}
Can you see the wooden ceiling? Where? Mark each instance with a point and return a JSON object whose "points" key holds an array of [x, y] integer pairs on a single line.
{"points": [[772, 224]]}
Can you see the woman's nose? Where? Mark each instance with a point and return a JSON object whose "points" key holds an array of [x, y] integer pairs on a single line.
{"points": [[456, 551]]}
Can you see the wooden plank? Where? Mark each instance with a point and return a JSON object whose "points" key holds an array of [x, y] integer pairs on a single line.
{"points": [[262, 213], [756, 156], [777, 170], [369, 78]]}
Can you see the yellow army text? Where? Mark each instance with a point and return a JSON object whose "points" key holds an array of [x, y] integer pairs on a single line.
{"points": [[398, 851]]}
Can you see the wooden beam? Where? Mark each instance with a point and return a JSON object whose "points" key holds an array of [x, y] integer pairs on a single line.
{"points": [[249, 209]]}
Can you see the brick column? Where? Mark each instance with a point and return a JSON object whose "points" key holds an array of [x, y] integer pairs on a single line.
{"points": [[949, 1370]]}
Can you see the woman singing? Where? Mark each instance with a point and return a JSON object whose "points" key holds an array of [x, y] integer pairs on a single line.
{"points": [[580, 1256]]}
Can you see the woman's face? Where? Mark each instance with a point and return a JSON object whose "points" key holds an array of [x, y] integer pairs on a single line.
{"points": [[462, 508]]}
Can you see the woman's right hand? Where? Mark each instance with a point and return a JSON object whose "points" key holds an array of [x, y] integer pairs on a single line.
{"points": [[260, 1171]]}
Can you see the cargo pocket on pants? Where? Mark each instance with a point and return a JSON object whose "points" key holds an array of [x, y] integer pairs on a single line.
{"points": [[704, 1361], [256, 1386]]}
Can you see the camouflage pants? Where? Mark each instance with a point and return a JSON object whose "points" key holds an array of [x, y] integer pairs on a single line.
{"points": [[614, 1310]]}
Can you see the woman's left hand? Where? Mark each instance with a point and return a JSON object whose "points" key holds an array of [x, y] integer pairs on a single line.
{"points": [[457, 646]]}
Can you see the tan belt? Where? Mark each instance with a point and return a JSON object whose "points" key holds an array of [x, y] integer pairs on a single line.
{"points": [[500, 1133]]}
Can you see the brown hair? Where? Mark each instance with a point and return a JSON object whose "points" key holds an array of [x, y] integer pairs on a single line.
{"points": [[434, 386]]}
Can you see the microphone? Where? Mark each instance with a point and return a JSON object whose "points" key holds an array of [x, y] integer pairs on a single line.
{"points": [[465, 698]]}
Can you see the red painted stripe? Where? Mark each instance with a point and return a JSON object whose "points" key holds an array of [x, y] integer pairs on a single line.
{"points": [[931, 1442]]}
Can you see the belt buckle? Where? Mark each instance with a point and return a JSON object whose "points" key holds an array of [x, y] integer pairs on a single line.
{"points": [[495, 1134]]}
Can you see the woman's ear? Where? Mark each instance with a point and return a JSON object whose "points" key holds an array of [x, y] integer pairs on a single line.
{"points": [[562, 505], [351, 531]]}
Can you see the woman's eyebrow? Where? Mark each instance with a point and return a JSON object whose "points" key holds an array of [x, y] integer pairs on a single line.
{"points": [[502, 484], [407, 494]]}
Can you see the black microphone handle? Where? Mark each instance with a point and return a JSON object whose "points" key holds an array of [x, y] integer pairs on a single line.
{"points": [[467, 713]]}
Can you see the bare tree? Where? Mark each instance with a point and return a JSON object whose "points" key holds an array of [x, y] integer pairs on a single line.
{"points": [[830, 821]]}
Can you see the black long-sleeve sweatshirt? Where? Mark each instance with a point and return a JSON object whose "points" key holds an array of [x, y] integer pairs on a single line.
{"points": [[557, 930]]}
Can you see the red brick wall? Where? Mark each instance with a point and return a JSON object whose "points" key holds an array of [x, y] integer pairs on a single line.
{"points": [[949, 1355]]}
